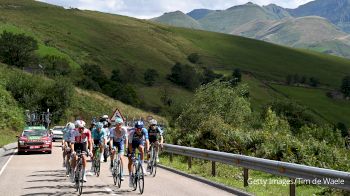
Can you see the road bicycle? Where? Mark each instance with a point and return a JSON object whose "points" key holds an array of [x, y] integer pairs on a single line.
{"points": [[79, 172], [137, 176], [152, 162], [117, 170], [96, 165]]}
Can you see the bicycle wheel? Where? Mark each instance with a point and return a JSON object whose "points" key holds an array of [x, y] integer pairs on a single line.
{"points": [[154, 164], [77, 177], [119, 173], [140, 179], [150, 162], [135, 177], [114, 172], [81, 180]]}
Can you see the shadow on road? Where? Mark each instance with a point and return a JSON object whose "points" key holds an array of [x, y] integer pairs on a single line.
{"points": [[48, 180]]}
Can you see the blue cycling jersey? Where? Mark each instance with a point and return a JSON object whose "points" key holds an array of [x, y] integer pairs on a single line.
{"points": [[98, 135]]}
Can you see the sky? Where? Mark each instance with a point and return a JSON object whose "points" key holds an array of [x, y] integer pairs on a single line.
{"points": [[146, 9]]}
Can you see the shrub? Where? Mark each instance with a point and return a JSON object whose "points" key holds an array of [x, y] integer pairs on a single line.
{"points": [[17, 49]]}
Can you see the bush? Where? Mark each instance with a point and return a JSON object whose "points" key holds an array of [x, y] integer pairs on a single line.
{"points": [[17, 49], [37, 94], [185, 75], [55, 66], [150, 76], [296, 115], [193, 58]]}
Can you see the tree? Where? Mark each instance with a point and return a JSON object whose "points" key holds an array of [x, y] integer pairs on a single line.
{"points": [[17, 49], [314, 82], [185, 75], [55, 65], [95, 73], [193, 58], [303, 80], [289, 80], [209, 76], [236, 76], [150, 76], [165, 97], [296, 78], [345, 86], [116, 76]]}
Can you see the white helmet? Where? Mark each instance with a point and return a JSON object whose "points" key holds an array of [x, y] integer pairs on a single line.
{"points": [[105, 116], [70, 126], [79, 124], [153, 122]]}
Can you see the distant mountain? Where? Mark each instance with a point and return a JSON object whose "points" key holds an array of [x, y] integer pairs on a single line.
{"points": [[199, 13], [308, 26], [227, 20], [311, 32], [336, 11], [178, 19], [278, 11]]}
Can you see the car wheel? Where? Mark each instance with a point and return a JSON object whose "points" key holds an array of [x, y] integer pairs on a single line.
{"points": [[49, 152]]}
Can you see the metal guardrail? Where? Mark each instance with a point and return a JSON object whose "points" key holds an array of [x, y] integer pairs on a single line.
{"points": [[295, 172]]}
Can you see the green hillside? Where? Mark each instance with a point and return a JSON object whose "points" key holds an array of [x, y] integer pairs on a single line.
{"points": [[85, 104], [113, 41]]}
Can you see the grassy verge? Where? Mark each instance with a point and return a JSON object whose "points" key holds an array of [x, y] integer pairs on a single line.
{"points": [[232, 176]]}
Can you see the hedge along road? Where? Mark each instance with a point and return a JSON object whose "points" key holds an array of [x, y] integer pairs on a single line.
{"points": [[43, 174]]}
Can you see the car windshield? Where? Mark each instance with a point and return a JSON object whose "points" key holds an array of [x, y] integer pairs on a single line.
{"points": [[34, 132], [58, 128]]}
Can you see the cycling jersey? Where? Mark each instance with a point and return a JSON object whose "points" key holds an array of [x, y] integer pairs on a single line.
{"points": [[137, 140], [153, 134], [118, 137], [98, 135], [83, 137]]}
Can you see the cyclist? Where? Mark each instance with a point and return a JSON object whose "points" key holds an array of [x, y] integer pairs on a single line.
{"points": [[154, 132], [67, 132], [137, 138], [106, 124], [81, 140], [99, 138], [118, 136]]}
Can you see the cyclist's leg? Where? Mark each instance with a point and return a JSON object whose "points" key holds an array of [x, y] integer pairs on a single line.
{"points": [[157, 150], [84, 146], [120, 154]]}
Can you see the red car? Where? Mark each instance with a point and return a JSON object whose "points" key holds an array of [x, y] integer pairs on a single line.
{"points": [[35, 139]]}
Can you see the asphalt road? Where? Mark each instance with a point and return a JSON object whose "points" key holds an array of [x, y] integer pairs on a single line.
{"points": [[43, 174]]}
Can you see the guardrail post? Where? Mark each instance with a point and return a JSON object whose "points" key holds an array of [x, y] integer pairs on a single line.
{"points": [[213, 168], [189, 160], [245, 176], [292, 186], [171, 157]]}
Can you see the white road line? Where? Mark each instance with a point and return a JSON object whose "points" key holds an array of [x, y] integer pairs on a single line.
{"points": [[3, 168]]}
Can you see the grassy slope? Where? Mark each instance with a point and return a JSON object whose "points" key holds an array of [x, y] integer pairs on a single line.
{"points": [[86, 104], [332, 110], [117, 42]]}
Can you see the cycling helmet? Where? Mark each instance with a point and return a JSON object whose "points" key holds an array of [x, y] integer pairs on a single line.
{"points": [[105, 116], [93, 121], [153, 122], [119, 121], [70, 126], [139, 124], [79, 124], [99, 125]]}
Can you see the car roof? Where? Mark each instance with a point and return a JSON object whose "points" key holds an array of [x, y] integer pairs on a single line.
{"points": [[34, 127], [59, 127]]}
